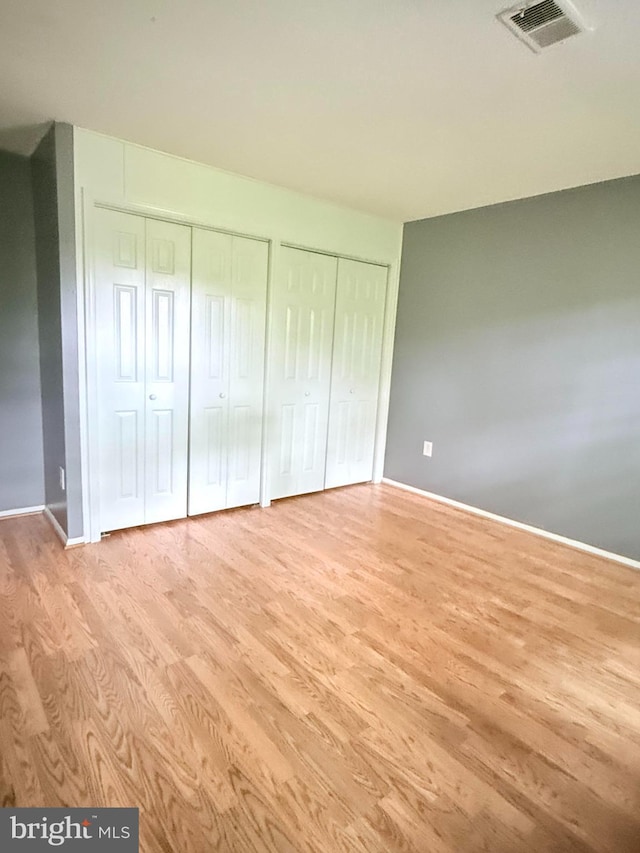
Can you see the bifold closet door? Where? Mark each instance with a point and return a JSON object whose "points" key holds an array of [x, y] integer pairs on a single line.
{"points": [[355, 374], [303, 306], [227, 370], [142, 294], [168, 298]]}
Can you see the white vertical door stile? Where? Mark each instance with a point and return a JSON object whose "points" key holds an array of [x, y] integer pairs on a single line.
{"points": [[119, 279], [302, 317], [142, 294], [227, 370], [168, 296], [355, 374]]}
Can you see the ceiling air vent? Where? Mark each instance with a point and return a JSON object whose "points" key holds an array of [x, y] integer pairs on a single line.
{"points": [[539, 25]]}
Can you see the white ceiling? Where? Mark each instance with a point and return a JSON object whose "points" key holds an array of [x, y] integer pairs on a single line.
{"points": [[405, 108]]}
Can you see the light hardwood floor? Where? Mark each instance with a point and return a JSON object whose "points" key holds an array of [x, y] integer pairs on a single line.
{"points": [[357, 670]]}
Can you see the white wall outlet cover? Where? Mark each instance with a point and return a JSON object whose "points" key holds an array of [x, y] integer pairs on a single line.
{"points": [[427, 448]]}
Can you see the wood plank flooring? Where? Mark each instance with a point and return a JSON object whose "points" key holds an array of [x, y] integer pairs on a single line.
{"points": [[357, 670]]}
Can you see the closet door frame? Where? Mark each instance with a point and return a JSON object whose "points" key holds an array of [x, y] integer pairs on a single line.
{"points": [[388, 337], [155, 273], [87, 355]]}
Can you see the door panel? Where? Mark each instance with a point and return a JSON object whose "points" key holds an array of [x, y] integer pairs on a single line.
{"points": [[227, 374], [215, 455], [168, 294], [126, 454], [240, 447], [312, 444], [126, 333], [210, 344], [287, 416], [162, 450], [119, 258], [303, 311], [357, 354], [162, 318], [249, 272]]}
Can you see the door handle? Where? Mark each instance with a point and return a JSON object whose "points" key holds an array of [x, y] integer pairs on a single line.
{"points": [[352, 391], [153, 396], [307, 393], [222, 395]]}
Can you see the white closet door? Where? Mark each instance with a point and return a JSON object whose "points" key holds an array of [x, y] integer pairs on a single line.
{"points": [[249, 271], [168, 294], [210, 344], [119, 254], [303, 312], [142, 284], [228, 334], [355, 377]]}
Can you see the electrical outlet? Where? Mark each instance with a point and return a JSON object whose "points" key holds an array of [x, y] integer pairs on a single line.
{"points": [[63, 483], [427, 448]]}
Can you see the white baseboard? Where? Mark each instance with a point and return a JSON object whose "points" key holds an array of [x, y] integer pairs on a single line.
{"points": [[563, 540], [25, 510], [68, 543]]}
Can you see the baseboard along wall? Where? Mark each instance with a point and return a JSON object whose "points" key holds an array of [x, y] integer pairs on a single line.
{"points": [[24, 510], [53, 521], [554, 537]]}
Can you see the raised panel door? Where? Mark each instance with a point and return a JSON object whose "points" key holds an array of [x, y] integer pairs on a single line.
{"points": [[355, 375], [249, 271], [227, 375], [210, 348], [119, 287], [303, 314], [167, 334]]}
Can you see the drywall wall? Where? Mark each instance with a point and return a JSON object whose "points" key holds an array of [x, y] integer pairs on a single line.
{"points": [[46, 229], [21, 466], [69, 324], [54, 216], [111, 170], [517, 353]]}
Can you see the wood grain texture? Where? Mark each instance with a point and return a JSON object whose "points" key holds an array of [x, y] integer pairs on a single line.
{"points": [[357, 671]]}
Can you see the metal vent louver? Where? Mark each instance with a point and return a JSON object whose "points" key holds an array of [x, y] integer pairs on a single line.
{"points": [[539, 25]]}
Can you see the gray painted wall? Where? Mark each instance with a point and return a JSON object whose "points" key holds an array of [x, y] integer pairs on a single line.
{"points": [[21, 466], [52, 173], [518, 354], [49, 321]]}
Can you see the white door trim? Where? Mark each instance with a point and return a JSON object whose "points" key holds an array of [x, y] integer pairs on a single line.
{"points": [[90, 417], [266, 458]]}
